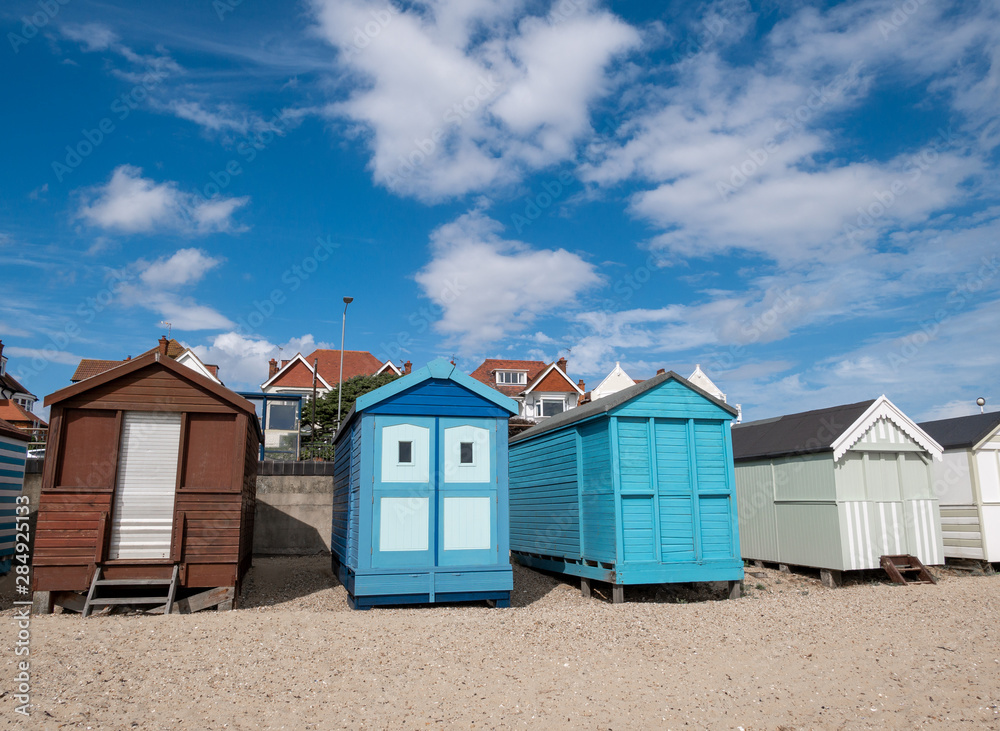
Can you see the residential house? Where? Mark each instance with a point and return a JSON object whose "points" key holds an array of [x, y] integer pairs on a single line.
{"points": [[699, 379], [22, 419], [541, 390], [11, 389], [297, 375], [90, 367]]}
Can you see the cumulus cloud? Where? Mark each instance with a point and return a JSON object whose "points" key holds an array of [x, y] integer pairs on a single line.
{"points": [[162, 286], [455, 97], [488, 287], [131, 203], [242, 360]]}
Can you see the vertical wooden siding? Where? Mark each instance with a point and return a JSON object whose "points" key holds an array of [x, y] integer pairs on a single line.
{"points": [[544, 503]]}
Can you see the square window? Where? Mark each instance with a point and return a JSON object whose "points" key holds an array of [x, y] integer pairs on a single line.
{"points": [[551, 408], [465, 452], [406, 452]]}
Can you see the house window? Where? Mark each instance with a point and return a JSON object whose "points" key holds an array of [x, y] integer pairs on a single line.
{"points": [[465, 453], [512, 378], [551, 407], [406, 452]]}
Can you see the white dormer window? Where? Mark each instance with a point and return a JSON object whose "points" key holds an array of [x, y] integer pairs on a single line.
{"points": [[512, 378]]}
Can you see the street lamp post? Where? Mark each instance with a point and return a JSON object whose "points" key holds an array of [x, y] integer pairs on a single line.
{"points": [[340, 383]]}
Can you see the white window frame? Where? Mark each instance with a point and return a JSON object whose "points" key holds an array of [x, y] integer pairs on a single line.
{"points": [[520, 378]]}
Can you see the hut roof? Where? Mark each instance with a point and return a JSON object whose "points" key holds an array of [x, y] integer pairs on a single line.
{"points": [[439, 369], [607, 403], [835, 429], [962, 431], [9, 430], [153, 358]]}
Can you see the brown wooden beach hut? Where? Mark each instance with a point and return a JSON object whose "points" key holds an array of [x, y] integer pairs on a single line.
{"points": [[148, 491]]}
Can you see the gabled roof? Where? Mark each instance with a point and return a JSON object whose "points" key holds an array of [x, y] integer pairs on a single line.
{"points": [[389, 366], [440, 369], [486, 373], [699, 379], [12, 385], [612, 401], [154, 359], [356, 363], [13, 412], [90, 367], [558, 386], [12, 432], [190, 359], [963, 432], [616, 372], [835, 429], [802, 433]]}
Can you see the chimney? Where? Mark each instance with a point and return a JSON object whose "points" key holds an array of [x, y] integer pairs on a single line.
{"points": [[163, 345], [581, 385], [661, 371], [272, 368], [1, 347], [563, 366], [128, 357], [407, 368]]}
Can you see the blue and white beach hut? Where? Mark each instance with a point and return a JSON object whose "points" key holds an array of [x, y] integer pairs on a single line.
{"points": [[420, 504], [13, 450], [634, 488]]}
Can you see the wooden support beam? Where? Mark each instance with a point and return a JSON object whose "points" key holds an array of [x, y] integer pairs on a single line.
{"points": [[617, 593], [734, 589], [41, 602], [70, 600], [585, 588], [830, 578]]}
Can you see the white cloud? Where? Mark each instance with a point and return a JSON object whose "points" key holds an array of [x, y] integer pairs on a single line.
{"points": [[455, 97], [187, 266], [737, 157], [48, 355], [160, 285], [131, 203], [488, 287], [243, 360], [94, 36]]}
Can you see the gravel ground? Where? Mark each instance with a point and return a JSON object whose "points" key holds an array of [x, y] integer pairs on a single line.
{"points": [[791, 654]]}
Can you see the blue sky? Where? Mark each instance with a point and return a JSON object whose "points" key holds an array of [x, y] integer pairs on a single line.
{"points": [[802, 198]]}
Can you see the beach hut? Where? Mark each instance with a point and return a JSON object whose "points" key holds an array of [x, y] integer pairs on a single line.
{"points": [[837, 488], [967, 482], [420, 504], [148, 490], [13, 450], [634, 488]]}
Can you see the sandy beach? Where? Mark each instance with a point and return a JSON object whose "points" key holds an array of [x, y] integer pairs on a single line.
{"points": [[790, 654]]}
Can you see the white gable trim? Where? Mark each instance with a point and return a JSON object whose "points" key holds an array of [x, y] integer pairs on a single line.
{"points": [[388, 364], [545, 373], [191, 360], [289, 364], [616, 371], [883, 408]]}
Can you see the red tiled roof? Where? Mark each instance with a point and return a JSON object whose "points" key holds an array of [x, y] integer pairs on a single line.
{"points": [[89, 367], [553, 383], [486, 373], [16, 414], [356, 363], [12, 432]]}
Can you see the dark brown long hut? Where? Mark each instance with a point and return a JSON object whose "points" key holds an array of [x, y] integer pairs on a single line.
{"points": [[148, 491]]}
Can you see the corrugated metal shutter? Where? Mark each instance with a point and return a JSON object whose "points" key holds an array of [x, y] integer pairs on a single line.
{"points": [[147, 477]]}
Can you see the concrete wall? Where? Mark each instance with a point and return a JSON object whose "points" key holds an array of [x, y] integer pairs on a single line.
{"points": [[294, 512], [294, 515]]}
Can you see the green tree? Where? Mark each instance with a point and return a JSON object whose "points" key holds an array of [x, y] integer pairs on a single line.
{"points": [[320, 443]]}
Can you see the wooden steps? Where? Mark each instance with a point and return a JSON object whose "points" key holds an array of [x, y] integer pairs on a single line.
{"points": [[95, 600], [906, 569]]}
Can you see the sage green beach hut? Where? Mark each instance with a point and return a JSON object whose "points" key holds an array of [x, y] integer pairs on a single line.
{"points": [[837, 488]]}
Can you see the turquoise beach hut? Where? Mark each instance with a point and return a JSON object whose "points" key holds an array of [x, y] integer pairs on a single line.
{"points": [[420, 505], [634, 488]]}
